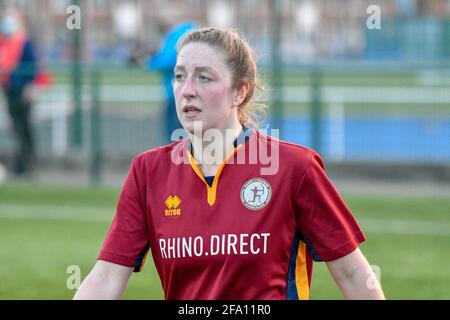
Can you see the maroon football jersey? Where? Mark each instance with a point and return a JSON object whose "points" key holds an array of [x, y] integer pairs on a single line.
{"points": [[248, 235]]}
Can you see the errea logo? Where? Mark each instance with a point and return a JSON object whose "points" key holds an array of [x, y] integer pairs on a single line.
{"points": [[172, 204]]}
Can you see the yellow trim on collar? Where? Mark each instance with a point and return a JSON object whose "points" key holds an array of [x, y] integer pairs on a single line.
{"points": [[211, 190]]}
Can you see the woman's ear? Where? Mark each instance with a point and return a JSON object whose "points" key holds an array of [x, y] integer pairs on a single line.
{"points": [[241, 94]]}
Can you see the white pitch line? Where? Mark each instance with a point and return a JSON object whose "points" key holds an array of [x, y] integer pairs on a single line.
{"points": [[406, 227], [48, 212], [66, 213]]}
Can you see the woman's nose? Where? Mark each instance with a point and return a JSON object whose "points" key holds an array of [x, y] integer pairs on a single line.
{"points": [[188, 88]]}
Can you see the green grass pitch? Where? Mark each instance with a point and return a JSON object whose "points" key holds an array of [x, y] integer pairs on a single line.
{"points": [[43, 230]]}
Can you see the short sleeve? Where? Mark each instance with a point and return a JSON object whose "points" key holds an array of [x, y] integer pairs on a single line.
{"points": [[127, 242], [326, 224]]}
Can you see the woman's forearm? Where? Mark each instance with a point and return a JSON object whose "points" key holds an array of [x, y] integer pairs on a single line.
{"points": [[361, 285], [106, 281], [355, 277]]}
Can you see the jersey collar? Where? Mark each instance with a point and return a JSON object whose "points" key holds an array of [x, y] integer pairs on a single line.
{"points": [[241, 139], [239, 142]]}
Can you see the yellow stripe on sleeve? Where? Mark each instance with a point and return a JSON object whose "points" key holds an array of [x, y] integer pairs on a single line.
{"points": [[301, 273]]}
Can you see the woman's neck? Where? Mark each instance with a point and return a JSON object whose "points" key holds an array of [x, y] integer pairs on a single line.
{"points": [[213, 146]]}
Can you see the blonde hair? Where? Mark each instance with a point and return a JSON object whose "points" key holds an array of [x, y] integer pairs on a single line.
{"points": [[240, 58]]}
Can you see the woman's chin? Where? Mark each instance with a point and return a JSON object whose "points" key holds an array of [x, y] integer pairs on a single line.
{"points": [[194, 127]]}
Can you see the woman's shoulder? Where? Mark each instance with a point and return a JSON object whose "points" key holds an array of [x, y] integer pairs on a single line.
{"points": [[288, 149]]}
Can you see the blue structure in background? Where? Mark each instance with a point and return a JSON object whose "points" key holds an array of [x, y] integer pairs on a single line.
{"points": [[396, 139], [418, 39]]}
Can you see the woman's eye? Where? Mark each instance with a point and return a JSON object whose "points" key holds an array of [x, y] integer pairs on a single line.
{"points": [[179, 77], [204, 78]]}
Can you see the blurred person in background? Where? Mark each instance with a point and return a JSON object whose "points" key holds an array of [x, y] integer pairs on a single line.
{"points": [[18, 70], [164, 61]]}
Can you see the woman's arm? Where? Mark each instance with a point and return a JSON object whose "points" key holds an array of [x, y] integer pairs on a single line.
{"points": [[106, 281], [355, 277]]}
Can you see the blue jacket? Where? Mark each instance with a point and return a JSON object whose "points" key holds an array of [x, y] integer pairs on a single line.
{"points": [[164, 61], [26, 70]]}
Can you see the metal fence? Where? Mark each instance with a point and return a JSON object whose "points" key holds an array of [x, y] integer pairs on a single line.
{"points": [[380, 113], [394, 109]]}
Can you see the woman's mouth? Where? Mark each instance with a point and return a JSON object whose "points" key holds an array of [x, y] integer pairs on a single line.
{"points": [[191, 111]]}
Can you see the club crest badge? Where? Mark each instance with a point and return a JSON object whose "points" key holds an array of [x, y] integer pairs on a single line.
{"points": [[256, 193]]}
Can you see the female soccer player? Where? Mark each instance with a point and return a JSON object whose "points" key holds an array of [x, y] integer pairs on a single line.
{"points": [[221, 224]]}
